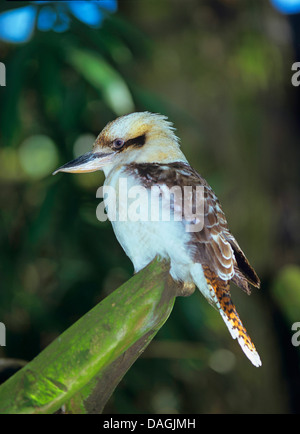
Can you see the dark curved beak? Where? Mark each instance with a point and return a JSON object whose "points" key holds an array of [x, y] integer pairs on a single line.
{"points": [[89, 162]]}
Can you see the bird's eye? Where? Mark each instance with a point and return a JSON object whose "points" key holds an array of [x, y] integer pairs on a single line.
{"points": [[118, 143]]}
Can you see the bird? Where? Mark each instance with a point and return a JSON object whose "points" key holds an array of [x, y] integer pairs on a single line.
{"points": [[143, 149]]}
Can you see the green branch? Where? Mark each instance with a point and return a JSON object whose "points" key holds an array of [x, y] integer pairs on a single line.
{"points": [[82, 367]]}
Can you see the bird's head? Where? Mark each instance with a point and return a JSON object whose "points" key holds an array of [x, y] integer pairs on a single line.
{"points": [[141, 137]]}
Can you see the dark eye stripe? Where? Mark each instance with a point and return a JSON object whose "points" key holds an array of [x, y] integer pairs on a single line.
{"points": [[136, 142]]}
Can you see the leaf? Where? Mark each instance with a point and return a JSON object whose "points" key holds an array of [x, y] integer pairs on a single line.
{"points": [[103, 77], [96, 351]]}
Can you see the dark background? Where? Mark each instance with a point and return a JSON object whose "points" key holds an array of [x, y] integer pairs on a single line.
{"points": [[221, 71]]}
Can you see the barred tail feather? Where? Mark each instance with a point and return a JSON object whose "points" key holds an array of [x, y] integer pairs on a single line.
{"points": [[243, 338], [218, 293]]}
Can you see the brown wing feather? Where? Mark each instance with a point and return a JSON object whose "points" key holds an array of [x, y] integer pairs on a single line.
{"points": [[214, 245], [245, 271]]}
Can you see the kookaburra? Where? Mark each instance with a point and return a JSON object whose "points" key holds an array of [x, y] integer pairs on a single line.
{"points": [[143, 149]]}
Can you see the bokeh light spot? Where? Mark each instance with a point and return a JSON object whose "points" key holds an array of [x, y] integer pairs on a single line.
{"points": [[222, 361], [83, 144], [287, 6], [38, 156], [17, 25], [46, 18]]}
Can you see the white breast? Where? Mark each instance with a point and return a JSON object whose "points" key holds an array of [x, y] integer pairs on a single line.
{"points": [[143, 240]]}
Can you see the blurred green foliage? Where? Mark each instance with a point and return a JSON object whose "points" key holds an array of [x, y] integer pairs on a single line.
{"points": [[286, 291], [221, 71]]}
